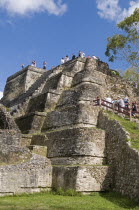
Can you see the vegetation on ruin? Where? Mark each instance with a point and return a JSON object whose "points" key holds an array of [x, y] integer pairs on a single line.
{"points": [[129, 126], [53, 201]]}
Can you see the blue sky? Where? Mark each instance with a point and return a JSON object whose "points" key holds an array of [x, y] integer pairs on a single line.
{"points": [[50, 29]]}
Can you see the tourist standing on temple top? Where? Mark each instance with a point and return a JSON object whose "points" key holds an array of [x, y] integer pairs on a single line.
{"points": [[62, 60], [73, 56], [44, 65], [94, 57], [33, 63], [79, 54], [22, 65], [66, 58]]}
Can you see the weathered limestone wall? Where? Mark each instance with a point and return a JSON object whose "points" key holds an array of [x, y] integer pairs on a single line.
{"points": [[72, 138], [32, 176], [82, 178], [118, 87], [48, 97], [10, 140], [10, 154], [23, 79], [75, 105], [124, 159], [76, 146], [20, 170], [31, 123]]}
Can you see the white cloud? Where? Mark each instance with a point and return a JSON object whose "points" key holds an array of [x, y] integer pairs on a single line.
{"points": [[1, 94], [27, 7], [110, 9], [127, 12]]}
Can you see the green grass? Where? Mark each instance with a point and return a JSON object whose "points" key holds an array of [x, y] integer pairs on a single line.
{"points": [[49, 201], [129, 126]]}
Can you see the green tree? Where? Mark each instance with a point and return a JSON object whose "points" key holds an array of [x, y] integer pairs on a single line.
{"points": [[126, 45], [132, 75]]}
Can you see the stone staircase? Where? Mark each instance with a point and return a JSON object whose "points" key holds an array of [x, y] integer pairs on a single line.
{"points": [[38, 105], [19, 105], [37, 144]]}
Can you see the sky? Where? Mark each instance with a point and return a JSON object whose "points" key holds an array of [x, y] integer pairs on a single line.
{"points": [[47, 30]]}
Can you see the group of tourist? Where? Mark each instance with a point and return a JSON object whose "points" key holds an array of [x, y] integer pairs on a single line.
{"points": [[64, 59], [80, 54], [120, 103], [33, 63]]}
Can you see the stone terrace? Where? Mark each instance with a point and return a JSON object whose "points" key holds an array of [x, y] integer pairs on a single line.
{"points": [[56, 115]]}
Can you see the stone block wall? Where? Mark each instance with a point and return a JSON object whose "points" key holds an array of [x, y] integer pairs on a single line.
{"points": [[72, 137], [10, 137], [83, 179], [10, 154], [32, 176], [23, 79], [31, 123], [75, 144], [123, 159], [43, 102]]}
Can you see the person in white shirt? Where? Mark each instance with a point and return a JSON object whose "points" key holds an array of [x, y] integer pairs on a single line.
{"points": [[33, 63], [121, 104], [66, 58], [62, 60], [82, 54], [108, 99], [94, 57]]}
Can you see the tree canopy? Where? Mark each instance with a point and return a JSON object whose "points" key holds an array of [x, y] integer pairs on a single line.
{"points": [[131, 75], [126, 45]]}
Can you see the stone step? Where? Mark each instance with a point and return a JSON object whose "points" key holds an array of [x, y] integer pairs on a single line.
{"points": [[39, 139], [39, 150], [26, 140], [43, 102], [78, 160], [82, 178], [31, 123]]}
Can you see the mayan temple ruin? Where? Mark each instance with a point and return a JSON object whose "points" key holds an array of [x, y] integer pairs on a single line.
{"points": [[53, 136]]}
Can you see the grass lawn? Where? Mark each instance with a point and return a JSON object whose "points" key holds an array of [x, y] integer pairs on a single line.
{"points": [[96, 201], [129, 126]]}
